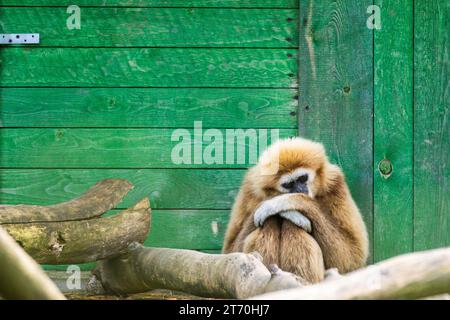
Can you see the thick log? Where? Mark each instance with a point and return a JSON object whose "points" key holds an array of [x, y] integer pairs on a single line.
{"points": [[72, 242], [20, 276], [102, 197], [235, 275], [410, 276]]}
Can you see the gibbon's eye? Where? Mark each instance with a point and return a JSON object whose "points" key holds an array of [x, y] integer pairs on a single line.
{"points": [[303, 178], [288, 185]]}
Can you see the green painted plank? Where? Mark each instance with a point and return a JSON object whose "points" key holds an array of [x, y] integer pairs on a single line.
{"points": [[159, 3], [63, 267], [166, 188], [150, 107], [188, 229], [393, 131], [157, 67], [162, 27], [336, 101], [431, 121], [133, 148]]}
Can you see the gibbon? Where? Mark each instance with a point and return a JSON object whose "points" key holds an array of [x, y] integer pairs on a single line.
{"points": [[301, 216]]}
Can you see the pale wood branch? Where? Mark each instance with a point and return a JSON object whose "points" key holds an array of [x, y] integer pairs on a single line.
{"points": [[102, 197], [409, 276], [71, 242], [235, 275]]}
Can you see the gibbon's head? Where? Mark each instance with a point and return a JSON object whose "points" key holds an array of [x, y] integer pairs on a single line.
{"points": [[293, 165]]}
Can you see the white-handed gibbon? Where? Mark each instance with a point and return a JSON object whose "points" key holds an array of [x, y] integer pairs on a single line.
{"points": [[301, 216]]}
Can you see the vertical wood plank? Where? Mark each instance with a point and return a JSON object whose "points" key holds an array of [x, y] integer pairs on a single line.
{"points": [[336, 83], [393, 130], [431, 121]]}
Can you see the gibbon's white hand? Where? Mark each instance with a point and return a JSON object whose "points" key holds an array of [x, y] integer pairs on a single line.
{"points": [[298, 219], [271, 207]]}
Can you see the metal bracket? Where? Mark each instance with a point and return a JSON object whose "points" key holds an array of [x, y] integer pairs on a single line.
{"points": [[19, 38]]}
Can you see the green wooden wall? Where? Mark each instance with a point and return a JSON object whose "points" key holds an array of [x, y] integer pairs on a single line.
{"points": [[103, 101]]}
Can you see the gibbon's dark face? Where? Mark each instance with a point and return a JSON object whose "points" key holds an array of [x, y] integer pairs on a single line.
{"points": [[295, 183]]}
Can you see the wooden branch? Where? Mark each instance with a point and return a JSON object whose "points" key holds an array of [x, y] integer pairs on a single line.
{"points": [[410, 276], [235, 275], [102, 197], [21, 277], [72, 242]]}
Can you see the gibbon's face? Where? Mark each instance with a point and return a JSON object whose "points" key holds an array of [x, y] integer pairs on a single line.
{"points": [[300, 167], [300, 180]]}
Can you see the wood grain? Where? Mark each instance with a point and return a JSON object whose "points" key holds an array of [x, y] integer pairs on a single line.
{"points": [[159, 3], [139, 67], [166, 188], [188, 229], [336, 90], [393, 129], [162, 27], [149, 107], [431, 119], [124, 148]]}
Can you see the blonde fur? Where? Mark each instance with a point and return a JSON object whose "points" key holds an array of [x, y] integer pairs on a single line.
{"points": [[339, 236]]}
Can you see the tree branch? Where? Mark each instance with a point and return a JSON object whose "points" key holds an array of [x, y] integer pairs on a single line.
{"points": [[72, 242], [409, 276], [235, 275], [102, 197]]}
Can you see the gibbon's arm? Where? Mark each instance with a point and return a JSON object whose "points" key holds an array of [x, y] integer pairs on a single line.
{"points": [[241, 225], [298, 219], [339, 229], [284, 205], [261, 215]]}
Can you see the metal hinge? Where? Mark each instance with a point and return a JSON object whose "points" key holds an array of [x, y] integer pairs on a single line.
{"points": [[19, 38]]}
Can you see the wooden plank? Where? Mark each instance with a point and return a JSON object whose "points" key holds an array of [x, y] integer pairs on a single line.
{"points": [[131, 148], [166, 188], [162, 27], [156, 67], [336, 101], [150, 107], [160, 3], [188, 229], [431, 121], [393, 131]]}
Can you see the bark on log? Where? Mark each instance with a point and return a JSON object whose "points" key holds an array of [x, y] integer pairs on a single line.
{"points": [[235, 275], [72, 242], [20, 276], [102, 197], [410, 276]]}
